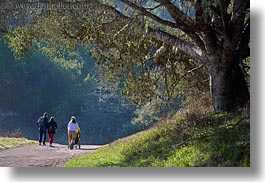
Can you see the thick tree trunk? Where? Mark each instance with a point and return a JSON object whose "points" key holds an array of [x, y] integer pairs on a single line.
{"points": [[228, 88]]}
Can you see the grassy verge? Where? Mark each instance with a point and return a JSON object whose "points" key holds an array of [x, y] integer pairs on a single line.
{"points": [[8, 142], [178, 142]]}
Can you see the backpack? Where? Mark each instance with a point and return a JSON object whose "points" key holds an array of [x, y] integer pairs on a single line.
{"points": [[41, 121]]}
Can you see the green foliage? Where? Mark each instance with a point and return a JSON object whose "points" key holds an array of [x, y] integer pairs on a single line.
{"points": [[122, 52], [121, 43], [72, 65], [20, 41], [29, 86], [174, 143], [151, 112], [61, 86], [145, 78]]}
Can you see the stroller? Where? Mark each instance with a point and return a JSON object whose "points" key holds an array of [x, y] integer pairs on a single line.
{"points": [[77, 140]]}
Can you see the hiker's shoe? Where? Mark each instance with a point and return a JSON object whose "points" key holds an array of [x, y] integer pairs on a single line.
{"points": [[44, 144], [39, 143], [50, 145]]}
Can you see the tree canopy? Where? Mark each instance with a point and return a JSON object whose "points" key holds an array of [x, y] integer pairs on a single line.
{"points": [[152, 47]]}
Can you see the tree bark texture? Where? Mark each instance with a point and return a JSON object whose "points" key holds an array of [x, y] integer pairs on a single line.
{"points": [[228, 88]]}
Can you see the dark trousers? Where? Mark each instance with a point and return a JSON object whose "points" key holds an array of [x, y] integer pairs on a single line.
{"points": [[42, 134], [51, 137]]}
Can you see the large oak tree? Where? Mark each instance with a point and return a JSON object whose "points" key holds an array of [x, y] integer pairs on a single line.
{"points": [[219, 34]]}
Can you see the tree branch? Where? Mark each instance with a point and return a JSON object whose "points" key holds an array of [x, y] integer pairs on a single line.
{"points": [[177, 14], [182, 21], [188, 48], [148, 14], [153, 8], [240, 10], [199, 12], [243, 50], [123, 28], [194, 69]]}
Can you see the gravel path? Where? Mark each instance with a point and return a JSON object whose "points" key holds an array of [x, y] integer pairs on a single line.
{"points": [[41, 156]]}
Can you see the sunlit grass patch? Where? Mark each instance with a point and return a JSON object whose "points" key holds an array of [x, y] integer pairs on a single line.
{"points": [[8, 142], [177, 143]]}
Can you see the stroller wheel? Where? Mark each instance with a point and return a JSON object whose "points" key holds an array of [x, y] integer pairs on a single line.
{"points": [[71, 146]]}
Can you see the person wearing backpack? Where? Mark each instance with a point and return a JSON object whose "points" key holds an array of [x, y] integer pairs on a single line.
{"points": [[42, 125], [52, 126]]}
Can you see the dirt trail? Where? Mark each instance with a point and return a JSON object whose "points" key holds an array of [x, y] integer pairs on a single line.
{"points": [[41, 156]]}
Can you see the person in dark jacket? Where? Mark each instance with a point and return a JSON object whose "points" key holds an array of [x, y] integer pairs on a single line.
{"points": [[52, 126], [42, 125]]}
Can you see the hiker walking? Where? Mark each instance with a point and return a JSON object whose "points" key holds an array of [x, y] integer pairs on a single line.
{"points": [[42, 125], [52, 126], [72, 132]]}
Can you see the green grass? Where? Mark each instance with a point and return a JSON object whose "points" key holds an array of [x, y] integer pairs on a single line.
{"points": [[177, 143], [7, 142]]}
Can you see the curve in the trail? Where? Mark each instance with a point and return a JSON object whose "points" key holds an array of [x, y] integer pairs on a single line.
{"points": [[41, 156]]}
